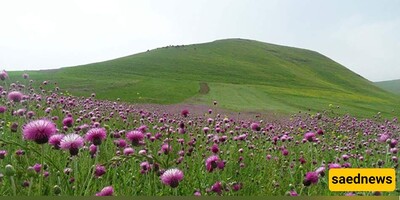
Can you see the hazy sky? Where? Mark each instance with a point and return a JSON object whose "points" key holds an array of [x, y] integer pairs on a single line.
{"points": [[362, 35]]}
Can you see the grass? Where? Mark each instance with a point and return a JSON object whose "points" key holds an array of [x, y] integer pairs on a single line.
{"points": [[391, 86], [254, 158], [242, 75]]}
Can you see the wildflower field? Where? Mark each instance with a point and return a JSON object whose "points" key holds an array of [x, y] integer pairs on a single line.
{"points": [[53, 143]]}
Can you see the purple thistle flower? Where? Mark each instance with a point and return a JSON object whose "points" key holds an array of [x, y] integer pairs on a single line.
{"points": [[172, 177], [292, 193], [72, 142], [15, 96], [96, 135], [20, 152], [236, 187], [383, 137], [334, 165], [310, 136], [3, 154], [145, 167], [321, 171], [3, 75], [135, 137], [212, 163], [217, 188], [197, 193], [255, 126], [100, 170], [185, 112], [393, 143], [68, 121], [37, 167], [128, 151], [92, 150], [3, 109], [55, 140], [215, 148], [25, 76], [345, 157], [165, 148], [285, 152], [142, 128], [39, 131], [310, 178], [107, 191]]}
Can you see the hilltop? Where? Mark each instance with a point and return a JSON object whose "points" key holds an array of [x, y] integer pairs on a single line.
{"points": [[242, 75]]}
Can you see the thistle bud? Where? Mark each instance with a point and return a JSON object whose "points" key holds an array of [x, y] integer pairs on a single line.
{"points": [[57, 190], [10, 171], [31, 172]]}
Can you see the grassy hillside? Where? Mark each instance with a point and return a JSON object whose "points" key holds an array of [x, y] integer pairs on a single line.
{"points": [[239, 74], [391, 86]]}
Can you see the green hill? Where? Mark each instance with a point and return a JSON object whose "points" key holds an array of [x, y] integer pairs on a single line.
{"points": [[240, 74], [391, 86]]}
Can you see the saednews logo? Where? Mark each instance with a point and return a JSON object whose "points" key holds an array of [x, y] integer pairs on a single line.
{"points": [[362, 179]]}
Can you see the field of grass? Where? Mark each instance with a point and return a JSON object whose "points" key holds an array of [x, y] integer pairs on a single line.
{"points": [[391, 86], [54, 144], [242, 75]]}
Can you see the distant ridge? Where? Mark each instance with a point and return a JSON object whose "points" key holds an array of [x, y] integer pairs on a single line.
{"points": [[391, 86]]}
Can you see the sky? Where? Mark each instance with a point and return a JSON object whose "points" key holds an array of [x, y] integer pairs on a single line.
{"points": [[363, 35]]}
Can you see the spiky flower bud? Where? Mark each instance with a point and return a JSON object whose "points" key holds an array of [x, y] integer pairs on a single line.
{"points": [[10, 171], [57, 190], [31, 172]]}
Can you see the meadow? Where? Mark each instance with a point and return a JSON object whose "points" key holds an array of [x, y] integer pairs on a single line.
{"points": [[243, 75], [54, 143]]}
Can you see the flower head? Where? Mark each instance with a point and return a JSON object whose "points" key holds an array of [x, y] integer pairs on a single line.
{"points": [[3, 154], [96, 135], [135, 137], [172, 177], [55, 140], [39, 130], [310, 136], [310, 177], [128, 151], [100, 170], [72, 142], [217, 187], [166, 148], [25, 76], [334, 165], [3, 109], [185, 112], [212, 163], [107, 191], [68, 121], [3, 75], [255, 126], [15, 96]]}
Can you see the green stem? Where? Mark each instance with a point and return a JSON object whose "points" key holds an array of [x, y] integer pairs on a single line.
{"points": [[48, 159], [30, 186], [75, 175], [90, 175], [13, 185], [40, 173]]}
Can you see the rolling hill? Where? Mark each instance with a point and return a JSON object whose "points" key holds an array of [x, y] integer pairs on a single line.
{"points": [[391, 86], [242, 75]]}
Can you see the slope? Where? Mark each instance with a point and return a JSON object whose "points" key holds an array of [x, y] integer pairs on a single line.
{"points": [[391, 86], [240, 74]]}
